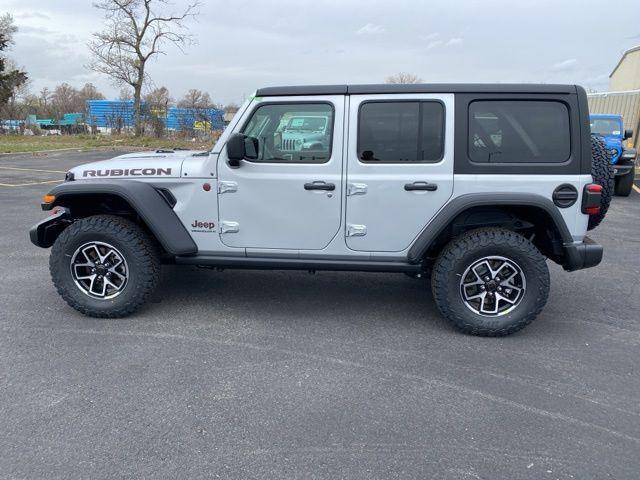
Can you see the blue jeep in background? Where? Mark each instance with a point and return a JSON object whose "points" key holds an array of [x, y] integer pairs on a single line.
{"points": [[611, 129]]}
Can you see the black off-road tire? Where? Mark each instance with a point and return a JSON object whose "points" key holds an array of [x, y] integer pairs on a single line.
{"points": [[602, 173], [624, 184], [464, 251], [139, 250]]}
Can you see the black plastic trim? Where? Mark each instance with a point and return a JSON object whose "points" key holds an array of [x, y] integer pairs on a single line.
{"points": [[167, 195], [459, 204], [145, 200], [320, 185], [44, 233], [265, 263], [565, 195], [295, 90], [417, 186], [282, 91], [582, 255], [585, 131]]}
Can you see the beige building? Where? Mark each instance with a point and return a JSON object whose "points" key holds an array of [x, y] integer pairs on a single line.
{"points": [[626, 74]]}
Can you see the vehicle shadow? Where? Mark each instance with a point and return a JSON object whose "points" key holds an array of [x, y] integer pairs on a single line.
{"points": [[293, 294]]}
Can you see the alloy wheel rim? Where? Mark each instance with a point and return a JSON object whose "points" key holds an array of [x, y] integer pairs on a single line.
{"points": [[492, 286], [99, 270]]}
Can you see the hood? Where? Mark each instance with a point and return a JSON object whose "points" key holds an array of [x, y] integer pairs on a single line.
{"points": [[161, 163]]}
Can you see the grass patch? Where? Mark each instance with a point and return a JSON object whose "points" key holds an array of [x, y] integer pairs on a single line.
{"points": [[22, 143]]}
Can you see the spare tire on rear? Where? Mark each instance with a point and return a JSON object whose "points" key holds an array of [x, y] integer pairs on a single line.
{"points": [[602, 173]]}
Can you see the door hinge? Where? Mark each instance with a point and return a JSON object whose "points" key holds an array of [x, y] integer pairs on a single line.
{"points": [[224, 187], [229, 227], [356, 230], [356, 189]]}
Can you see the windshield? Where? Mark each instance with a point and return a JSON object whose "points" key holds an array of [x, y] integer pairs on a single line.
{"points": [[307, 123], [605, 126]]}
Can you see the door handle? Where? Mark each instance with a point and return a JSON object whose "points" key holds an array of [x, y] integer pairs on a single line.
{"points": [[429, 187], [319, 185]]}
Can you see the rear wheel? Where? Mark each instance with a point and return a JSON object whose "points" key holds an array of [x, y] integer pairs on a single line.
{"points": [[624, 184], [104, 266], [490, 282]]}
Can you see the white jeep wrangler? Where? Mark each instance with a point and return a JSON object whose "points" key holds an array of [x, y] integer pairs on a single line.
{"points": [[472, 185]]}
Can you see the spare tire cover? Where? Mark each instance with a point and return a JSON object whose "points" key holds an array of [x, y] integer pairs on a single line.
{"points": [[602, 173]]}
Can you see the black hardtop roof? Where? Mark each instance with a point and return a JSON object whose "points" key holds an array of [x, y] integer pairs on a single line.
{"points": [[415, 88]]}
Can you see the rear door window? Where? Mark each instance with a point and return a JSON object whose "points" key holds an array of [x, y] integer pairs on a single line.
{"points": [[505, 131], [395, 132]]}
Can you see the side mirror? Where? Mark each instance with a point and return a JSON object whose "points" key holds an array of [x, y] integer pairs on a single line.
{"points": [[239, 147], [236, 149], [628, 134]]}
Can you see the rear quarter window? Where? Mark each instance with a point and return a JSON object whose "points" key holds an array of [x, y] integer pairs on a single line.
{"points": [[519, 131]]}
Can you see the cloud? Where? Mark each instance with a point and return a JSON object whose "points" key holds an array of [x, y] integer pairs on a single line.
{"points": [[422, 35], [431, 36], [25, 15], [370, 29], [565, 64]]}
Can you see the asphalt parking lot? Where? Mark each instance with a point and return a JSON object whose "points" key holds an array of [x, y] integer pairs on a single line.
{"points": [[273, 375]]}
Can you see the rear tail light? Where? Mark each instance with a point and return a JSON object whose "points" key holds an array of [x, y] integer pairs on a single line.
{"points": [[592, 210], [591, 199]]}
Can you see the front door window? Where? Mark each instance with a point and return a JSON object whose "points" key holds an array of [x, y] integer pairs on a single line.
{"points": [[292, 133]]}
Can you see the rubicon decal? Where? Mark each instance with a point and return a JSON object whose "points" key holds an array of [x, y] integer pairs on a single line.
{"points": [[203, 227], [128, 172]]}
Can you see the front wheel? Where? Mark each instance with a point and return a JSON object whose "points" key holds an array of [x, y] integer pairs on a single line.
{"points": [[104, 266], [490, 282]]}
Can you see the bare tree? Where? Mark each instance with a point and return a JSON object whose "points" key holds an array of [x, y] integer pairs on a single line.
{"points": [[125, 94], [196, 99], [44, 98], [63, 99], [158, 98], [89, 92], [157, 103], [231, 108], [68, 99], [403, 78], [135, 32]]}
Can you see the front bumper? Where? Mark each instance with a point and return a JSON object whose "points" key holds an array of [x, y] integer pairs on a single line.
{"points": [[626, 162], [45, 232], [582, 255]]}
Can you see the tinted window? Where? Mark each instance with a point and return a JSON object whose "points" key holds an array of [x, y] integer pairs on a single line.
{"points": [[519, 132], [391, 132], [292, 132]]}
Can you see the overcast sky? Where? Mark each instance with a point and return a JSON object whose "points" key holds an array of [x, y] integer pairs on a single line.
{"points": [[246, 44]]}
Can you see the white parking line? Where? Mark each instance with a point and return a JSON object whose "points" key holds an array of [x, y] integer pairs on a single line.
{"points": [[31, 170], [27, 184], [635, 187]]}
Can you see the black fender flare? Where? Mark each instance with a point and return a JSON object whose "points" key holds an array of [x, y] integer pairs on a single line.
{"points": [[459, 204], [147, 202]]}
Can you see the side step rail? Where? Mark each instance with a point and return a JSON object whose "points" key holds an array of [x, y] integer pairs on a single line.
{"points": [[262, 263]]}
